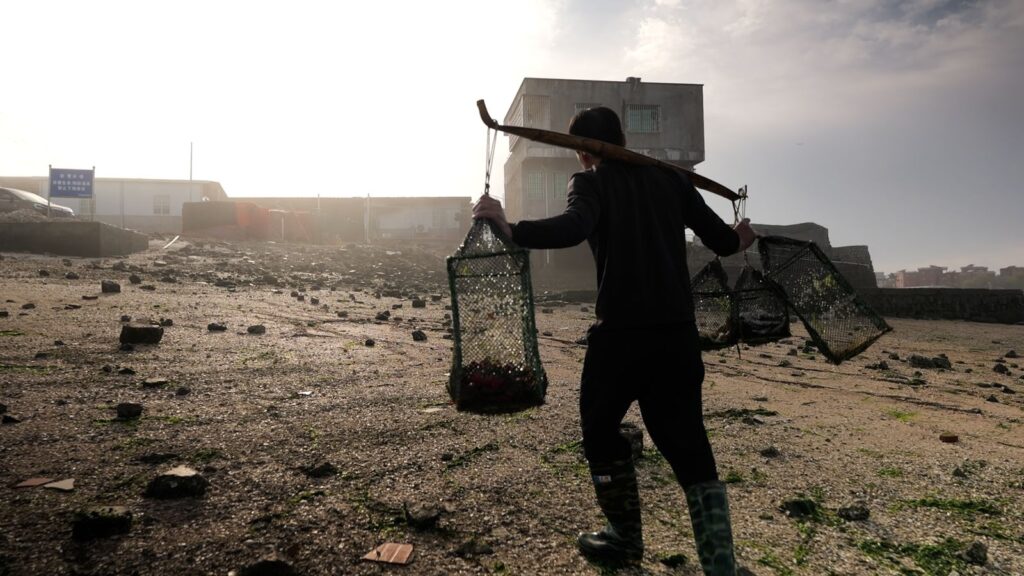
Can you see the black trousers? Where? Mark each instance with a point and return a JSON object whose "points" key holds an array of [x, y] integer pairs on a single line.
{"points": [[662, 370]]}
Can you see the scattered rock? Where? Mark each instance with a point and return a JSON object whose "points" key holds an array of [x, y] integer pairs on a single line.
{"points": [[473, 547], [314, 301], [370, 343], [135, 279], [949, 438], [1011, 354], [126, 318], [793, 352], [4, 313], [3, 408], [150, 383], [419, 336], [182, 391], [419, 303], [267, 568], [342, 314], [854, 513], [635, 436], [44, 273], [42, 355], [770, 452], [180, 482], [1000, 369], [110, 287], [141, 334], [918, 361], [126, 347], [676, 560], [383, 316], [976, 553], [147, 287], [71, 276], [216, 327], [101, 522], [119, 266], [129, 410], [9, 419], [799, 508], [1008, 390], [166, 322], [321, 470], [28, 306], [883, 365], [421, 516], [785, 363], [257, 329], [992, 398]]}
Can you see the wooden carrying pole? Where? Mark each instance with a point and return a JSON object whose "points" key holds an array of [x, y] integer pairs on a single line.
{"points": [[603, 150]]}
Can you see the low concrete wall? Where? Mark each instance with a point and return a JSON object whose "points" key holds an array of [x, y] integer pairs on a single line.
{"points": [[999, 306], [86, 239]]}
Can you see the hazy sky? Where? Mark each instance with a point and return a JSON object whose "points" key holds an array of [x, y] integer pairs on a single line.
{"points": [[895, 124]]}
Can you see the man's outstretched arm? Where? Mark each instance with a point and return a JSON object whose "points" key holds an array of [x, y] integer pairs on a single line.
{"points": [[567, 229]]}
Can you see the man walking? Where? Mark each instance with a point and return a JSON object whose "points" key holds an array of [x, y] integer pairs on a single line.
{"points": [[644, 345]]}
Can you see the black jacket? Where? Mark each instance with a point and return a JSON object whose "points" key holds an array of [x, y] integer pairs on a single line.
{"points": [[633, 218]]}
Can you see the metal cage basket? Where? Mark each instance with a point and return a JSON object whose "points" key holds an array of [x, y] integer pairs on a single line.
{"points": [[495, 366]]}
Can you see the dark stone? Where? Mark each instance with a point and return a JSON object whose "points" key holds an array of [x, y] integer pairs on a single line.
{"points": [[992, 398], [342, 314], [4, 313], [301, 297], [976, 553], [180, 482], [799, 508], [883, 365], [419, 336], [166, 322], [321, 470], [1000, 369], [383, 316], [44, 273], [785, 363], [9, 419], [157, 457], [268, 568], [182, 391], [257, 329], [674, 560], [110, 287], [635, 437], [929, 363], [129, 410], [126, 318], [101, 522], [473, 547], [216, 327], [1011, 354], [396, 306], [792, 352], [71, 276], [854, 513], [141, 334], [421, 516], [126, 347], [3, 408], [135, 279], [42, 355], [295, 294], [314, 301], [147, 287], [770, 452], [28, 306], [370, 343], [419, 303], [119, 266], [151, 383], [1008, 390]]}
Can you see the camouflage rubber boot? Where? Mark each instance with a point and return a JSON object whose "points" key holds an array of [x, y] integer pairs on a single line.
{"points": [[709, 513], [619, 498]]}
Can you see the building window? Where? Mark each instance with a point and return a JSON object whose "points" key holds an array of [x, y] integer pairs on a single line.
{"points": [[161, 204], [559, 190], [643, 118], [581, 106], [516, 119], [534, 205]]}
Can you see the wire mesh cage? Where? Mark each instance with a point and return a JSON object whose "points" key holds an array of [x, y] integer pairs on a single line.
{"points": [[714, 307], [839, 322], [762, 313], [496, 366]]}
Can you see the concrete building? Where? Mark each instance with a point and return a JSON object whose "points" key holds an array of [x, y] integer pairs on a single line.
{"points": [[139, 204], [665, 121]]}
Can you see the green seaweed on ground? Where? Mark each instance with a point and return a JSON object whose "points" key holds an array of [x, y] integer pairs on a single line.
{"points": [[965, 507], [934, 559]]}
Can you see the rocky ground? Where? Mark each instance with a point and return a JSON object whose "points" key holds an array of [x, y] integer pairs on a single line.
{"points": [[299, 447]]}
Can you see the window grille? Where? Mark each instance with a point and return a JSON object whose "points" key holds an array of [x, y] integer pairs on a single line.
{"points": [[161, 204], [643, 118]]}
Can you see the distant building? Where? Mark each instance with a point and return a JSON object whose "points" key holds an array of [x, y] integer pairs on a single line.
{"points": [[930, 276], [437, 218], [139, 204], [665, 121]]}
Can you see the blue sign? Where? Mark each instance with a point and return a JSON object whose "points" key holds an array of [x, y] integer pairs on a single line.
{"points": [[71, 183]]}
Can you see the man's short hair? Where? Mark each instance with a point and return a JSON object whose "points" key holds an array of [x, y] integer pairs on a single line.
{"points": [[600, 123]]}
